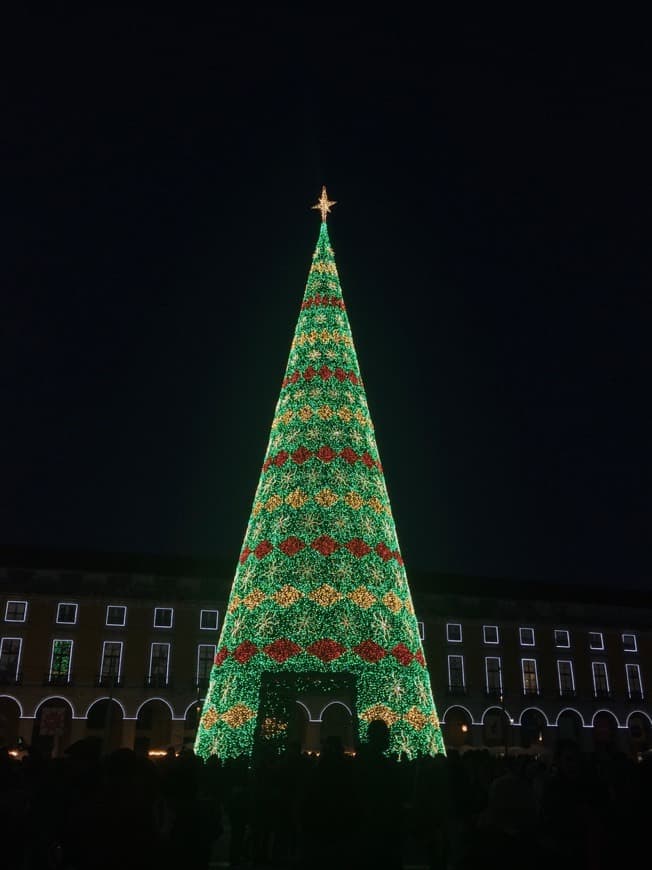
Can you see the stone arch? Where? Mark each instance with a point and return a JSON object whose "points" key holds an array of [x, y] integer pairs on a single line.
{"points": [[639, 732], [337, 723], [534, 725], [458, 727], [605, 729], [52, 729], [191, 718], [10, 714], [110, 732], [95, 701], [330, 704], [153, 725]]}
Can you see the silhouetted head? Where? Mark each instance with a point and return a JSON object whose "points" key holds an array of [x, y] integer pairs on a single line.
{"points": [[378, 735]]}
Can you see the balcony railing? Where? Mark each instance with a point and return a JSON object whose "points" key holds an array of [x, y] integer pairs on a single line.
{"points": [[157, 681], [568, 693], [456, 689], [104, 681], [58, 680]]}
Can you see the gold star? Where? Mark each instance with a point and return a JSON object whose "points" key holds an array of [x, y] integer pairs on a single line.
{"points": [[323, 204]]}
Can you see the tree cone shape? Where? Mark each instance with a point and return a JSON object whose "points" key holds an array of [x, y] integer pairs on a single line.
{"points": [[320, 584]]}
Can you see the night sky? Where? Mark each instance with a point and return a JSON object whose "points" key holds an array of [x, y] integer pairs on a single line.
{"points": [[492, 238]]}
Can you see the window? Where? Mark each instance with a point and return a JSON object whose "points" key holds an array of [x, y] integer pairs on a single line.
{"points": [[454, 632], [566, 678], [111, 662], [208, 620], [9, 659], [422, 630], [116, 615], [67, 614], [16, 611], [596, 640], [61, 661], [159, 665], [530, 677], [490, 633], [562, 638], [629, 643], [634, 684], [205, 658], [494, 675], [163, 617], [526, 636], [456, 673], [600, 679]]}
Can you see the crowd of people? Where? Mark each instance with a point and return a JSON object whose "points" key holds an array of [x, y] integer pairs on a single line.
{"points": [[334, 810]]}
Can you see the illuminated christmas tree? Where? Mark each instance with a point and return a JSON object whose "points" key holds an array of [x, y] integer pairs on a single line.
{"points": [[320, 586]]}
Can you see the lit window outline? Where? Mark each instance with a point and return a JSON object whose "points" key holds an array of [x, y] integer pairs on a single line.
{"points": [[72, 647], [634, 648], [634, 666], [450, 679], [167, 662], [599, 635], [67, 621], [594, 666], [209, 627], [160, 609], [532, 635], [536, 675], [450, 625], [15, 601], [421, 628], [500, 672], [20, 653], [559, 645], [122, 607], [212, 646], [568, 662], [484, 635], [118, 676]]}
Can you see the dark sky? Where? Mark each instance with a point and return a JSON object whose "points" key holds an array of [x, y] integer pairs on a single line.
{"points": [[492, 238]]}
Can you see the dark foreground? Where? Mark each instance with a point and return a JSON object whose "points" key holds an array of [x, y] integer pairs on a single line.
{"points": [[124, 811]]}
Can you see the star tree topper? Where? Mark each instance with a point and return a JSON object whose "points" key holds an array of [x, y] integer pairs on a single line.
{"points": [[324, 204]]}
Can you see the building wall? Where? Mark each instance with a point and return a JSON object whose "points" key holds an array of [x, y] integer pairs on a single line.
{"points": [[618, 719]]}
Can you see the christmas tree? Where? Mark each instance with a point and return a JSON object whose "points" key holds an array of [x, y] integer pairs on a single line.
{"points": [[320, 586]]}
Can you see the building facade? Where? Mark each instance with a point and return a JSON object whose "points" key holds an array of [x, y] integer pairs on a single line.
{"points": [[123, 653]]}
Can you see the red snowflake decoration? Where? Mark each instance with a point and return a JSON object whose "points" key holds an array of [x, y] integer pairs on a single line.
{"points": [[301, 455], [325, 545], [291, 546], [402, 654], [282, 649], [244, 651], [222, 654], [358, 548], [263, 549], [383, 551], [370, 651], [326, 649]]}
